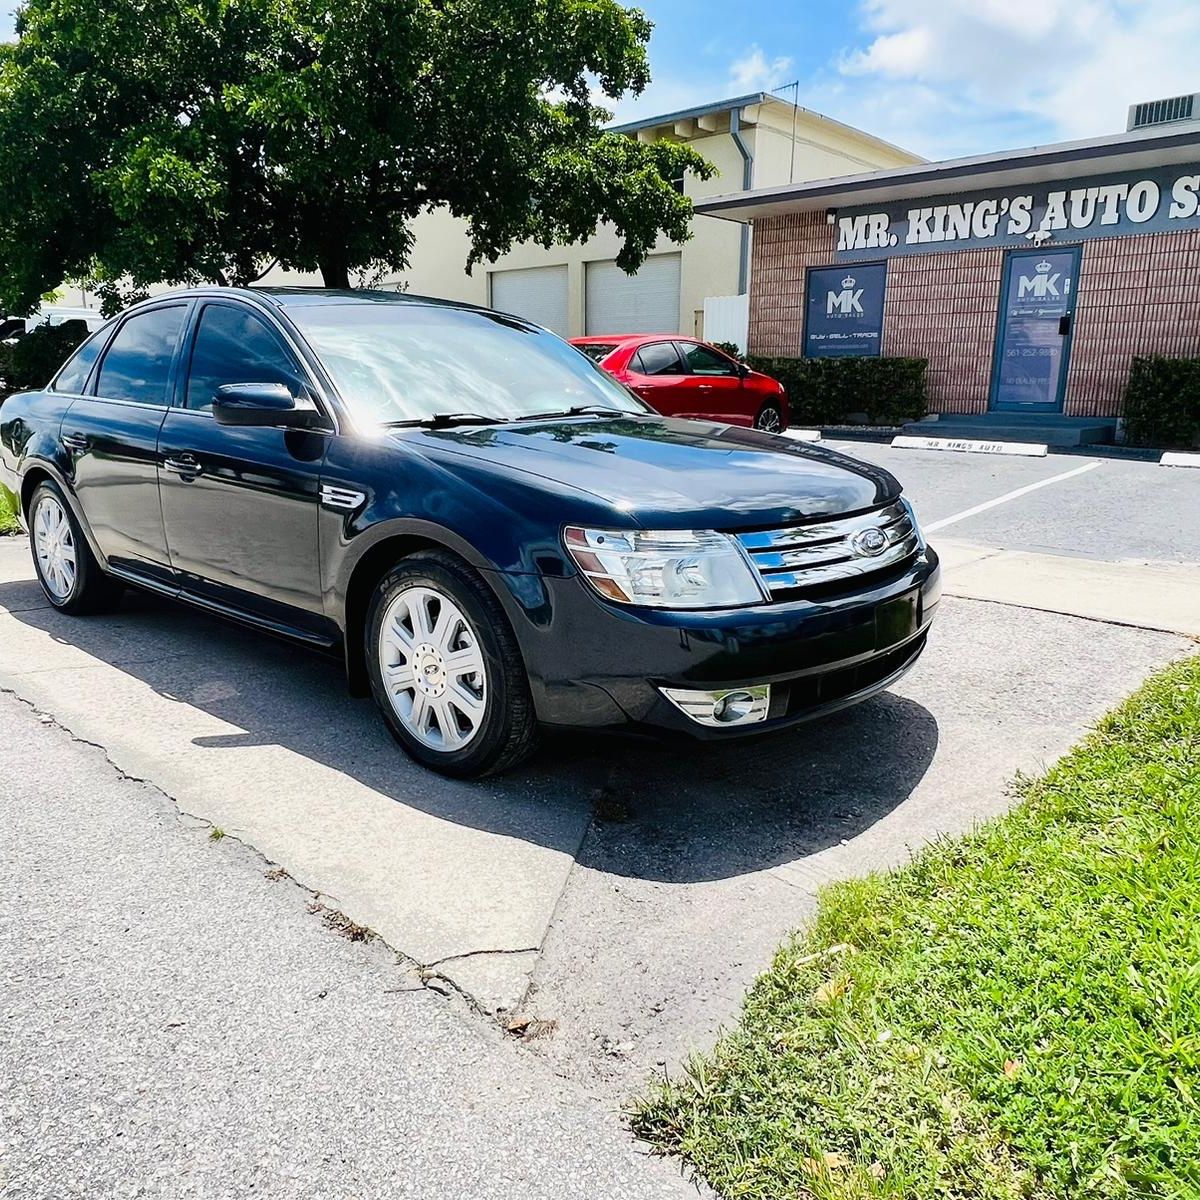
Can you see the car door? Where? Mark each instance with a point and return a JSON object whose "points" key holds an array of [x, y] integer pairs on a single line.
{"points": [[712, 385], [240, 503], [656, 374], [110, 435]]}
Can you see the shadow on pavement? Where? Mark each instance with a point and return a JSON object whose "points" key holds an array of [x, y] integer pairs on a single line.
{"points": [[673, 811]]}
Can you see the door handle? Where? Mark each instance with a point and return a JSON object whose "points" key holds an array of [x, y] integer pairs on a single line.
{"points": [[75, 441], [706, 387], [185, 465]]}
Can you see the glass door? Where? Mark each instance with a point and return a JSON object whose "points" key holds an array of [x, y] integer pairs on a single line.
{"points": [[1033, 341]]}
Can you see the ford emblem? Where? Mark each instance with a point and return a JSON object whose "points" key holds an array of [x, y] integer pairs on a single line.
{"points": [[869, 543]]}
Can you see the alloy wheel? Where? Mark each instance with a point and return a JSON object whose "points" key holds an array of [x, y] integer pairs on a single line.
{"points": [[54, 545], [432, 668], [768, 420]]}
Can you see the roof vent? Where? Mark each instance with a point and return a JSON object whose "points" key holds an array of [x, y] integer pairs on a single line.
{"points": [[1163, 112]]}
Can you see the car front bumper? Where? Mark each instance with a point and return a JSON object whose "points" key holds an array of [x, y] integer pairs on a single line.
{"points": [[592, 663]]}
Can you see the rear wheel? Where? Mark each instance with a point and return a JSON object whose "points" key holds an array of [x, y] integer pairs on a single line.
{"points": [[445, 668], [769, 419], [66, 567]]}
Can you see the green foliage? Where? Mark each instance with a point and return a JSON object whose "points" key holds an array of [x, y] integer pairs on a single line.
{"points": [[31, 361], [730, 348], [8, 512], [187, 140], [1162, 403], [829, 391], [1015, 1014]]}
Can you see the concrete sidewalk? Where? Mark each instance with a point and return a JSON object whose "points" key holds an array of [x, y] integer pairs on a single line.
{"points": [[1162, 596], [175, 1024]]}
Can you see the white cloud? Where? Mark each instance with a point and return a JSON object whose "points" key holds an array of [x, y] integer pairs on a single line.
{"points": [[754, 72], [958, 73], [748, 71]]}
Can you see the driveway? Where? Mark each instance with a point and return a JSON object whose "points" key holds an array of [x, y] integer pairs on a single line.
{"points": [[625, 891], [175, 1023]]}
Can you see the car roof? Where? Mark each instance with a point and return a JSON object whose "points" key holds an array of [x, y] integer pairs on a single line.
{"points": [[625, 339], [296, 297]]}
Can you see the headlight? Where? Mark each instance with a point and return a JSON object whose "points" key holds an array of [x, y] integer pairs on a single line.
{"points": [[912, 516], [674, 568]]}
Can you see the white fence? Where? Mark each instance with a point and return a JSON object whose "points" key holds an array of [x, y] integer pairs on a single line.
{"points": [[727, 319]]}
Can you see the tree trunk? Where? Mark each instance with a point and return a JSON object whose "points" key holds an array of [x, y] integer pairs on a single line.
{"points": [[335, 272]]}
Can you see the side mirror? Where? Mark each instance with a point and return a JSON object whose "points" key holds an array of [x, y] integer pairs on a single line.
{"points": [[269, 404], [742, 370]]}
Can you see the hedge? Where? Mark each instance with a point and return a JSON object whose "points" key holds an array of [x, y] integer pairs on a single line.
{"points": [[832, 391], [1162, 403], [32, 361]]}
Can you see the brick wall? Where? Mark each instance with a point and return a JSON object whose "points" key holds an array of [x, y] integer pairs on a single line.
{"points": [[1137, 295]]}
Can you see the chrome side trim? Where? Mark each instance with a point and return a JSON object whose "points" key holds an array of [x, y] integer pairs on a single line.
{"points": [[343, 498]]}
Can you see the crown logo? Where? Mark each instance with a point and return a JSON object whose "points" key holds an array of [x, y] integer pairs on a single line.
{"points": [[848, 282], [1043, 267]]}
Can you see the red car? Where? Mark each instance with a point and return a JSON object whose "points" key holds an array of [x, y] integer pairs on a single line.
{"points": [[682, 377]]}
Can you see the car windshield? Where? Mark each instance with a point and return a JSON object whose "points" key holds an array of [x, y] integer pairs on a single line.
{"points": [[597, 350], [401, 362]]}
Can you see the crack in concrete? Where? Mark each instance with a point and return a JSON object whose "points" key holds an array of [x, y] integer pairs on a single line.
{"points": [[424, 972]]}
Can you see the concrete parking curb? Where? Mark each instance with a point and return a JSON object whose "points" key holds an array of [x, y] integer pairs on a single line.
{"points": [[1179, 459], [803, 435], [969, 446]]}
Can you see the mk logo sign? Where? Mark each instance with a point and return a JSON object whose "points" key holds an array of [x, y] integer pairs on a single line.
{"points": [[1042, 284], [847, 302]]}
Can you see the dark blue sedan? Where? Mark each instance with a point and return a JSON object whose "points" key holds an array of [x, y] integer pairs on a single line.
{"points": [[495, 534]]}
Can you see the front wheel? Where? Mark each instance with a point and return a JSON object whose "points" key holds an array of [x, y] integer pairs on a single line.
{"points": [[445, 668], [769, 419], [71, 578]]}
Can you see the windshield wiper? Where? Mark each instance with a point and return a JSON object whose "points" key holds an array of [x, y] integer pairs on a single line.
{"points": [[442, 420], [581, 410]]}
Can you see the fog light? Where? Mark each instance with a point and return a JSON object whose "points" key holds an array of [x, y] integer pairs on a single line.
{"points": [[724, 707], [735, 706]]}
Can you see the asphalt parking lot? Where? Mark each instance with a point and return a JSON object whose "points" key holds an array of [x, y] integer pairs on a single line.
{"points": [[1080, 505], [624, 892]]}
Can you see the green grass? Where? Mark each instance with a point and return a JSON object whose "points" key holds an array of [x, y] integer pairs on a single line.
{"points": [[8, 511], [1015, 1014]]}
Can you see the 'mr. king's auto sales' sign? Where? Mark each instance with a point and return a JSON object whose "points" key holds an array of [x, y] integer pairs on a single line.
{"points": [[1102, 206]]}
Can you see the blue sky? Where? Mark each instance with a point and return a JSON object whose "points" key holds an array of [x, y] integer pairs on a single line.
{"points": [[941, 77]]}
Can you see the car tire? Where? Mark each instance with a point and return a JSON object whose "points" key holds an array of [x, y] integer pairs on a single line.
{"points": [[445, 668], [769, 419], [71, 577]]}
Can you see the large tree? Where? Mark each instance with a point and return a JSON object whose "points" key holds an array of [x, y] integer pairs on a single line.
{"points": [[149, 141]]}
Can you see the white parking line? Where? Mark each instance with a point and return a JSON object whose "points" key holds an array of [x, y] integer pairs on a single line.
{"points": [[1021, 491]]}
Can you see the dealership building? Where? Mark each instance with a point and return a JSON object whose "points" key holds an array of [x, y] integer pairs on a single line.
{"points": [[1029, 280]]}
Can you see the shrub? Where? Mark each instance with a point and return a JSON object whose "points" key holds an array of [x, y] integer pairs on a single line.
{"points": [[829, 391], [730, 348], [31, 361], [1162, 403]]}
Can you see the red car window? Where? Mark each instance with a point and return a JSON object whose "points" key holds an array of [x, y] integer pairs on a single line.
{"points": [[658, 358], [700, 360]]}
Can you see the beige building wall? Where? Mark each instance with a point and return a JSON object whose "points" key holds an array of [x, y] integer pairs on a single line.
{"points": [[709, 260]]}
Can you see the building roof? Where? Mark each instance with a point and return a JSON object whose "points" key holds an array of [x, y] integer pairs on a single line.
{"points": [[750, 99], [1138, 150]]}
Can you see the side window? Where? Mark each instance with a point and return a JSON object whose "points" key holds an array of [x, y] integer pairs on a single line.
{"points": [[700, 360], [234, 346], [73, 374], [138, 363], [659, 358]]}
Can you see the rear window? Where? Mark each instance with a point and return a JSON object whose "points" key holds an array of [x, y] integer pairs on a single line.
{"points": [[75, 371], [597, 350]]}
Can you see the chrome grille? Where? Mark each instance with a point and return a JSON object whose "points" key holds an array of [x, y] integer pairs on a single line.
{"points": [[805, 556]]}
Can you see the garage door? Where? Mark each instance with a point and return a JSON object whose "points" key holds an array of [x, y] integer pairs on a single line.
{"points": [[647, 302], [538, 294]]}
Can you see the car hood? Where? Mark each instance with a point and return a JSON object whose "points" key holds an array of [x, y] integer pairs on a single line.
{"points": [[656, 470]]}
